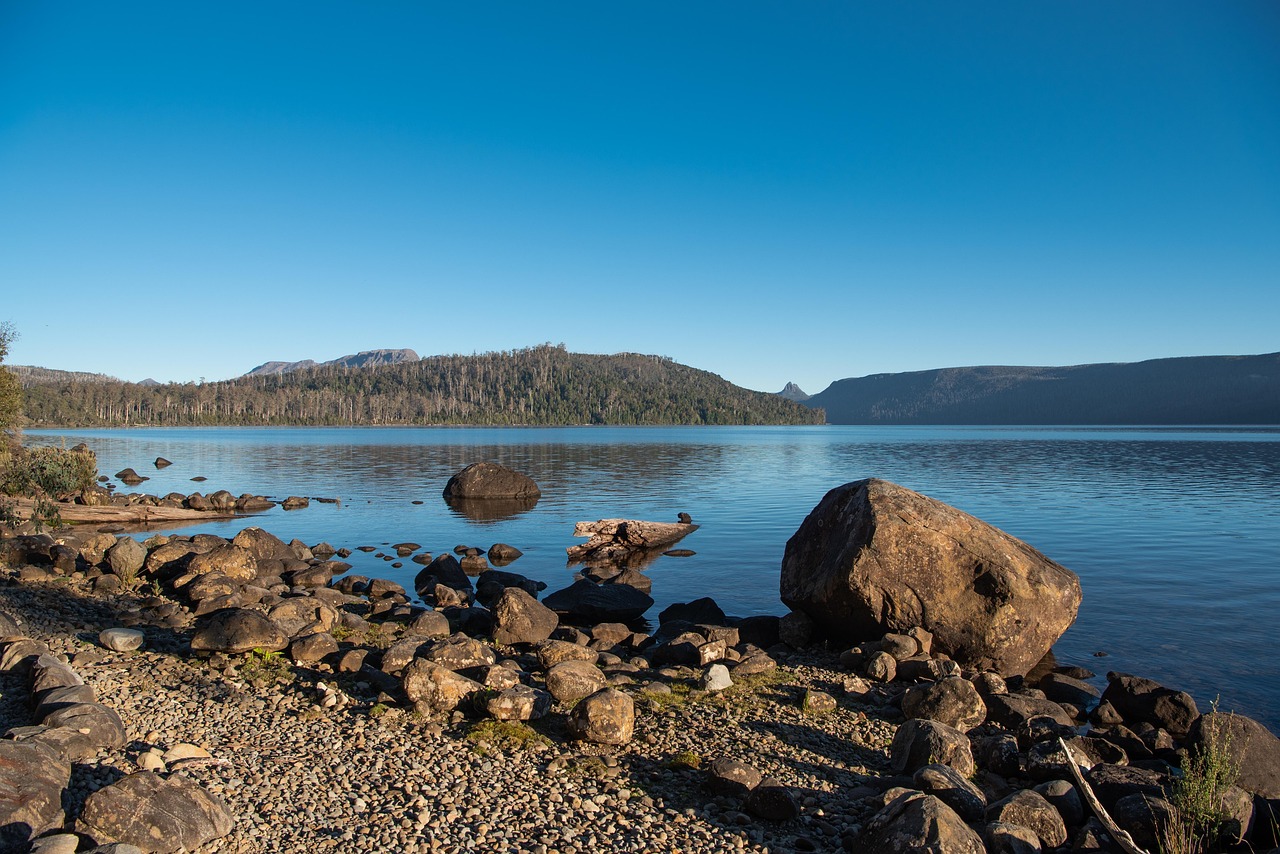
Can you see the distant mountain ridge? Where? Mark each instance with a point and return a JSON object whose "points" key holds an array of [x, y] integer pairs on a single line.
{"points": [[32, 375], [365, 359], [1187, 390], [543, 385]]}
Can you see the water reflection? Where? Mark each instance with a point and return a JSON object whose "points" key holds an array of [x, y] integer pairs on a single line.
{"points": [[490, 509], [1177, 525]]}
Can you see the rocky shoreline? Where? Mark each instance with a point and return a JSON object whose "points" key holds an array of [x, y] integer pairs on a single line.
{"points": [[277, 703]]}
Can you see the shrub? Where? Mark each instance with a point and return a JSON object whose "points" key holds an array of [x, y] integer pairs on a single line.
{"points": [[1208, 771]]}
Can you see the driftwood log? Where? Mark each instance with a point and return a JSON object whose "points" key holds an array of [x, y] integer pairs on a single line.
{"points": [[133, 514], [618, 539]]}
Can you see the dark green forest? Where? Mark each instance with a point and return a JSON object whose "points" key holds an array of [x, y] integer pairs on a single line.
{"points": [[544, 385]]}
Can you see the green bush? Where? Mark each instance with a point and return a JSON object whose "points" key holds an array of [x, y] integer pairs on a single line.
{"points": [[45, 475]]}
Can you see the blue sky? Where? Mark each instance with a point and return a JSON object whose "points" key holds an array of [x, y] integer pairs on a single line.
{"points": [[770, 191]]}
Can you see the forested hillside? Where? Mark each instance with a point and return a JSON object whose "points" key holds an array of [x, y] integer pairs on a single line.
{"points": [[543, 385], [1192, 390]]}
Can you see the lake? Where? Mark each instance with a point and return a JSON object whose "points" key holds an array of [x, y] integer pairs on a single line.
{"points": [[1174, 532]]}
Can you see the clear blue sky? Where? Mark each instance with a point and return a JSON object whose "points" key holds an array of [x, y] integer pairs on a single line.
{"points": [[770, 191]]}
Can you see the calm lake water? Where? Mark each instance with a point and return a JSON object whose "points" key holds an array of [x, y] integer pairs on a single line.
{"points": [[1174, 532]]}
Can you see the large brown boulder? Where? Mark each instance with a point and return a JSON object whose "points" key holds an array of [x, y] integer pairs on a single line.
{"points": [[154, 814], [874, 557], [32, 778], [489, 481], [915, 822], [519, 618]]}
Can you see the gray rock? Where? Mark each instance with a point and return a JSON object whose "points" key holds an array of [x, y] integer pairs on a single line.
{"points": [[915, 822], [1138, 699], [519, 618], [716, 678], [730, 777], [953, 789], [519, 703], [990, 600], [1065, 799], [1029, 809], [237, 630], [97, 726], [772, 801], [459, 652], [1001, 837], [32, 777], [606, 717], [918, 743], [1252, 747], [599, 603], [489, 481], [154, 814], [569, 681], [126, 557], [953, 701], [121, 639], [434, 688], [236, 563]]}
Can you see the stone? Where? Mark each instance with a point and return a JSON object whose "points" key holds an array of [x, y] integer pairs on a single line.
{"points": [[727, 776], [772, 801], [48, 672], [126, 557], [881, 666], [459, 652], [57, 698], [20, 653], [1252, 748], [121, 639], [1113, 782], [704, 610], [299, 615], [873, 557], [754, 665], [442, 571], [154, 813], [919, 742], [519, 703], [488, 481], [1029, 809], [1065, 799], [915, 822], [1061, 688], [32, 778], [1013, 710], [308, 649], [947, 784], [295, 502], [716, 678], [1138, 699], [501, 554], [605, 717], [817, 702], [796, 629], [552, 652], [569, 681], [94, 548], [953, 701], [237, 630], [520, 618], [431, 624], [263, 545], [1143, 817], [599, 603], [97, 725], [1001, 837], [234, 562], [434, 688], [901, 647]]}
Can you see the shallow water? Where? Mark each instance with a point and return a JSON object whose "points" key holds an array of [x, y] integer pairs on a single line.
{"points": [[1175, 532]]}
